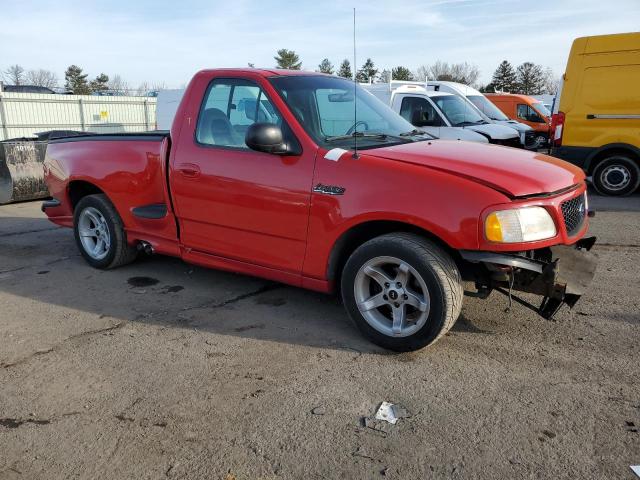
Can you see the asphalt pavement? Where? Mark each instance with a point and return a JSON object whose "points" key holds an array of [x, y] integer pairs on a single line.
{"points": [[165, 370]]}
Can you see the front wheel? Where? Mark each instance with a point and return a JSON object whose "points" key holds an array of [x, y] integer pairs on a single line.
{"points": [[616, 175], [100, 234], [403, 291]]}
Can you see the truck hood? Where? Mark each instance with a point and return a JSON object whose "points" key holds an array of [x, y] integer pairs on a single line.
{"points": [[455, 133], [512, 171], [494, 131]]}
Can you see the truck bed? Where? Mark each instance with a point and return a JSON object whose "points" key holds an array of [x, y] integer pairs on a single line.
{"points": [[130, 168]]}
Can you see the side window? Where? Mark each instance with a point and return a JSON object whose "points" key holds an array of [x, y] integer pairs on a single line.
{"points": [[230, 106], [419, 112], [522, 111], [529, 114]]}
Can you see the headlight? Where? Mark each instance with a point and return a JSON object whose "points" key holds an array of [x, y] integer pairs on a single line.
{"points": [[519, 225]]}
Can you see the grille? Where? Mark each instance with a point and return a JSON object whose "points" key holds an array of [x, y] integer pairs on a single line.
{"points": [[529, 137], [573, 211]]}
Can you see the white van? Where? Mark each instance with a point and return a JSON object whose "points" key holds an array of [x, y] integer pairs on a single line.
{"points": [[444, 115], [489, 111], [166, 106]]}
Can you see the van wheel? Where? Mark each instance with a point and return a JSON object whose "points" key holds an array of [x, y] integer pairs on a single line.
{"points": [[100, 234], [617, 174], [403, 291]]}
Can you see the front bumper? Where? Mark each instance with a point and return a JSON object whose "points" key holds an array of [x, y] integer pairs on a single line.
{"points": [[559, 274]]}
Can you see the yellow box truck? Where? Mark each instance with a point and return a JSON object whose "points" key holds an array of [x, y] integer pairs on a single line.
{"points": [[596, 121]]}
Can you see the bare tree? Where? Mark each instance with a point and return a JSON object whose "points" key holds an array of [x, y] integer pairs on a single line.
{"points": [[422, 73], [145, 87], [42, 78], [14, 75], [118, 84], [455, 72], [551, 81]]}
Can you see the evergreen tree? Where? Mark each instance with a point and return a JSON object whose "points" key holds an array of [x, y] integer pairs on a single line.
{"points": [[504, 78], [326, 67], [345, 69], [100, 83], [75, 81], [531, 79], [401, 73], [367, 73], [287, 59]]}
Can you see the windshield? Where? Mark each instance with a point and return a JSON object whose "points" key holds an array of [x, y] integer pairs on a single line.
{"points": [[541, 108], [457, 110], [488, 108], [325, 108]]}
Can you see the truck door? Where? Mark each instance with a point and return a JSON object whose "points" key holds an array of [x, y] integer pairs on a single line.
{"points": [[420, 112], [231, 201]]}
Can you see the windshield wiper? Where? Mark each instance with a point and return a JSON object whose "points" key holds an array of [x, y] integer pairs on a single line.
{"points": [[415, 132], [467, 124], [376, 136]]}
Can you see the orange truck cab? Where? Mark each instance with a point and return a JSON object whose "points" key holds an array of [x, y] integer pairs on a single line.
{"points": [[527, 110]]}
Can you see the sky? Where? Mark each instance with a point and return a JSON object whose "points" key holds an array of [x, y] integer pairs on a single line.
{"points": [[166, 42]]}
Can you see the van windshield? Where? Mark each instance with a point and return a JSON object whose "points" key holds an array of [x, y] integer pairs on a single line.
{"points": [[488, 108], [539, 106], [457, 110], [324, 106]]}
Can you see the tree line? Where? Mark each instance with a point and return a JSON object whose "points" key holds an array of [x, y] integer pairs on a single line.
{"points": [[75, 81], [528, 78]]}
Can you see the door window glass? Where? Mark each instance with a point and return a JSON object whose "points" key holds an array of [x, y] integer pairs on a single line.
{"points": [[230, 107], [420, 112]]}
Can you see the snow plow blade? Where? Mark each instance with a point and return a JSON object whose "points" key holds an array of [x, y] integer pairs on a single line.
{"points": [[21, 172]]}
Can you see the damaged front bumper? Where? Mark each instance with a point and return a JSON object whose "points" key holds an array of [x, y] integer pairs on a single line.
{"points": [[560, 274]]}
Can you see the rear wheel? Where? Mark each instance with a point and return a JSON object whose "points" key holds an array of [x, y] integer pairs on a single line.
{"points": [[617, 174], [403, 291], [100, 234]]}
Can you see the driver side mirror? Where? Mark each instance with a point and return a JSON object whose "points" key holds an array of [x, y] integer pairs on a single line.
{"points": [[268, 138]]}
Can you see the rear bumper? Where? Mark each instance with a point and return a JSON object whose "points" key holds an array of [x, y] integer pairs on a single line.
{"points": [[559, 274]]}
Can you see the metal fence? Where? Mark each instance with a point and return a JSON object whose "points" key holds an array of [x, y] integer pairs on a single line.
{"points": [[24, 114]]}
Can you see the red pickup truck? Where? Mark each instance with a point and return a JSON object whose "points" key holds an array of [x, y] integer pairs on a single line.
{"points": [[260, 175]]}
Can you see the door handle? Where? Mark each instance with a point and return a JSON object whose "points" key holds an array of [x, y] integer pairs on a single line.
{"points": [[189, 170]]}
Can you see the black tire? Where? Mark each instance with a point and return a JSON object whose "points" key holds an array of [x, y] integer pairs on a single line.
{"points": [[617, 175], [119, 252], [437, 269]]}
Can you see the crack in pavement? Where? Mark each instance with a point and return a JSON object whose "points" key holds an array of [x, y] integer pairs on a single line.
{"points": [[24, 232], [237, 298], [55, 347], [618, 245], [46, 264]]}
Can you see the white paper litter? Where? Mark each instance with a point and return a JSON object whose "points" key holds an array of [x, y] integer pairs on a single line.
{"points": [[636, 469], [335, 154], [387, 413]]}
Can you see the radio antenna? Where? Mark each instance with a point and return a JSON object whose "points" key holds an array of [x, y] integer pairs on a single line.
{"points": [[355, 92]]}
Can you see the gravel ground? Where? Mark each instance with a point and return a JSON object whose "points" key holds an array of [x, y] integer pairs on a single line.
{"points": [[165, 370]]}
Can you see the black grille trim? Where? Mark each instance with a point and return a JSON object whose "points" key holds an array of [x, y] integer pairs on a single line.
{"points": [[574, 212]]}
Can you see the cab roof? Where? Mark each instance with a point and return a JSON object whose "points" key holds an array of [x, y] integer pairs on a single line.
{"points": [[265, 72]]}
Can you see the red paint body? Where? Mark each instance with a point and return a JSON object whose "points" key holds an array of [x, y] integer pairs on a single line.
{"points": [[255, 213]]}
